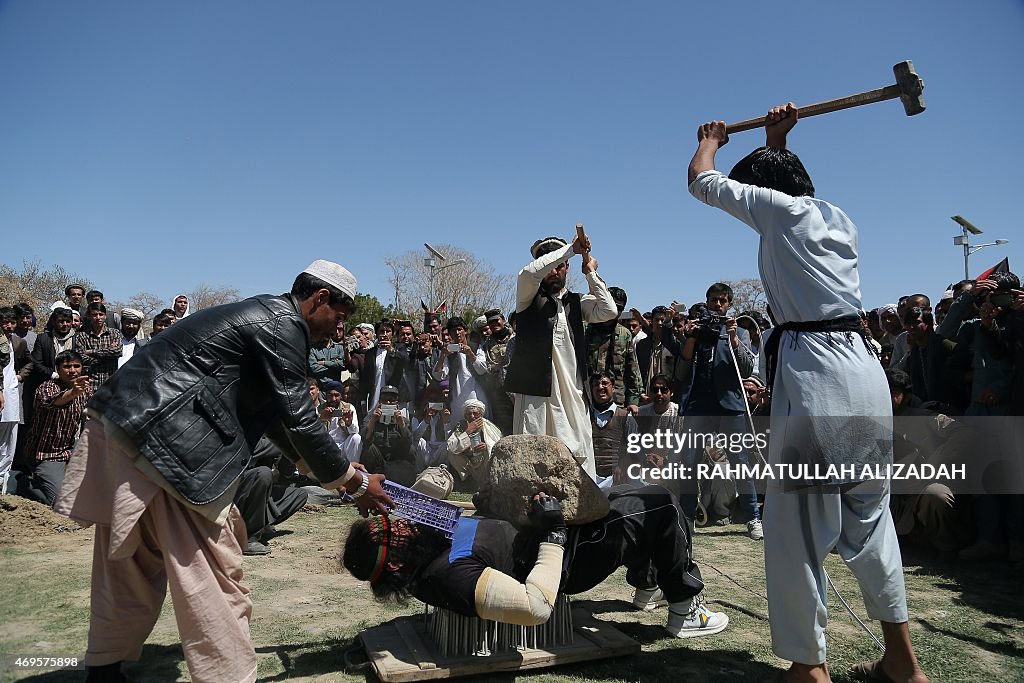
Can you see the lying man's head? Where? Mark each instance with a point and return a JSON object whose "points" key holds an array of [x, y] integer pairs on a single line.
{"points": [[387, 551]]}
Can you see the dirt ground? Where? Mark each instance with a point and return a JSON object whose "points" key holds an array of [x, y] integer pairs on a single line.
{"points": [[967, 620], [23, 520]]}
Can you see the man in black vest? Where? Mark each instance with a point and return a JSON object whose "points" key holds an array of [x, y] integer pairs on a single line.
{"points": [[550, 354]]}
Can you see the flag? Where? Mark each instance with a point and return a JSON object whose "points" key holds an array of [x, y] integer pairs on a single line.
{"points": [[442, 307], [1001, 267]]}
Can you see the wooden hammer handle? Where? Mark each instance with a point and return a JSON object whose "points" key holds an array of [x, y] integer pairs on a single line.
{"points": [[887, 93], [582, 235]]}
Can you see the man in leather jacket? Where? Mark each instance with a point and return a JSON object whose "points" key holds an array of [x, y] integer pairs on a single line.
{"points": [[156, 470]]}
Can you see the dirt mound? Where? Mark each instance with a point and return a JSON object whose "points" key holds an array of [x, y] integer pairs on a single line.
{"points": [[24, 520]]}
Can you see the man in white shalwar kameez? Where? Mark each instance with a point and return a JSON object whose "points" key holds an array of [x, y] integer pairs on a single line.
{"points": [[547, 367], [830, 402]]}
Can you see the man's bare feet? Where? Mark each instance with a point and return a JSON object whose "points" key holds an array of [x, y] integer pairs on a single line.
{"points": [[881, 671]]}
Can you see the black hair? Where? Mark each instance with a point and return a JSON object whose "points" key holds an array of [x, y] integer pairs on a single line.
{"points": [[65, 356], [719, 288], [23, 309], [75, 285], [618, 296], [660, 310], [93, 292], [898, 379], [360, 556], [95, 306], [916, 314], [384, 322], [775, 169], [307, 285], [59, 314], [958, 288], [607, 373], [163, 319], [1004, 281], [7, 315], [873, 315], [454, 322], [663, 378]]}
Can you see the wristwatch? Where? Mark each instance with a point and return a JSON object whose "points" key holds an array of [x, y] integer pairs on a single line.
{"points": [[364, 484], [557, 536]]}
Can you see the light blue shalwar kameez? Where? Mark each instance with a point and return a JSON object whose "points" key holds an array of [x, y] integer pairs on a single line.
{"points": [[808, 264]]}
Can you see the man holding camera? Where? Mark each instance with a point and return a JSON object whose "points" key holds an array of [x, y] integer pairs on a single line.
{"points": [[715, 357], [387, 440], [550, 356]]}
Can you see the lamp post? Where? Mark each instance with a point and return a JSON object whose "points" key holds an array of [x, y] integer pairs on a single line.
{"points": [[964, 241], [431, 262]]}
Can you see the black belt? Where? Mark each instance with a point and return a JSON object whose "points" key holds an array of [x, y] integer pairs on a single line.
{"points": [[846, 323]]}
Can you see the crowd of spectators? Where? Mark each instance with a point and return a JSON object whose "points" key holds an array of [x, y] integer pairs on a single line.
{"points": [[403, 398]]}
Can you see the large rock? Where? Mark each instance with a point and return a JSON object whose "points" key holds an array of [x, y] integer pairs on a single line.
{"points": [[522, 465]]}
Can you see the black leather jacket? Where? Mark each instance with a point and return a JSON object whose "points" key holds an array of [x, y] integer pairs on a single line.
{"points": [[197, 397]]}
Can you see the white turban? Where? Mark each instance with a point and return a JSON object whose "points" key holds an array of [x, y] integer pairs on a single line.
{"points": [[473, 403]]}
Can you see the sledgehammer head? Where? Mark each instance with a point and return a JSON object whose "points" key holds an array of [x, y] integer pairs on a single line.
{"points": [[911, 87]]}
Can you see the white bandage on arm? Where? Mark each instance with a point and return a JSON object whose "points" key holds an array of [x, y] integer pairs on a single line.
{"points": [[500, 597]]}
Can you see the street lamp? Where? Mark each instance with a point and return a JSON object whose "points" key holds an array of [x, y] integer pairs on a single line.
{"points": [[964, 241], [431, 262]]}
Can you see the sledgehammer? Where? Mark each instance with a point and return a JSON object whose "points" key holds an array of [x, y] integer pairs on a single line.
{"points": [[908, 88]]}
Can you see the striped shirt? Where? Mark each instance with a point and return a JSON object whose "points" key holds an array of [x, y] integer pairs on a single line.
{"points": [[100, 353], [56, 428]]}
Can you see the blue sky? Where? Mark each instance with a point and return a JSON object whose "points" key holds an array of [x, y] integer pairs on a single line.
{"points": [[152, 146]]}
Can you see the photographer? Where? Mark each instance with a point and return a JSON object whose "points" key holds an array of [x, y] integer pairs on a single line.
{"points": [[714, 358], [430, 426], [460, 365], [340, 419], [387, 441]]}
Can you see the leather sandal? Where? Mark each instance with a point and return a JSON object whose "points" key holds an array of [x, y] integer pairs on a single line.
{"points": [[871, 672]]}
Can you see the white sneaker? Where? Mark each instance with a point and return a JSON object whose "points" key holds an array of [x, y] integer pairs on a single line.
{"points": [[754, 530], [698, 621], [648, 600]]}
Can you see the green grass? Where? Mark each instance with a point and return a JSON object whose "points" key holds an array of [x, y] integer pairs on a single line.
{"points": [[967, 620]]}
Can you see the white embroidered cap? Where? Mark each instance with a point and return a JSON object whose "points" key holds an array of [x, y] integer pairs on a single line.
{"points": [[334, 275]]}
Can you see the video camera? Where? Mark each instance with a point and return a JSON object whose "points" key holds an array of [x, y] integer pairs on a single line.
{"points": [[707, 325]]}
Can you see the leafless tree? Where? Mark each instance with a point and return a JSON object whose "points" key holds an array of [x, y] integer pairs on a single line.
{"points": [[469, 287], [747, 295], [37, 286], [207, 296], [149, 304]]}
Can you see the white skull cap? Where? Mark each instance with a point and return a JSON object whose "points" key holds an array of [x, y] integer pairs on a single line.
{"points": [[334, 275]]}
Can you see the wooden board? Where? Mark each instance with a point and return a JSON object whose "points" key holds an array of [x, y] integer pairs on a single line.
{"points": [[403, 650]]}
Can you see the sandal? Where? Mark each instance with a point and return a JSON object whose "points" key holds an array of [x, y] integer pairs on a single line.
{"points": [[871, 672]]}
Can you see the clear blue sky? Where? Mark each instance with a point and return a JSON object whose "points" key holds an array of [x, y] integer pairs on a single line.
{"points": [[153, 146]]}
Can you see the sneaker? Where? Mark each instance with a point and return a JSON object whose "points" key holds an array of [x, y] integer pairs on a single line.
{"points": [[754, 530], [648, 600], [983, 550], [256, 548], [697, 621]]}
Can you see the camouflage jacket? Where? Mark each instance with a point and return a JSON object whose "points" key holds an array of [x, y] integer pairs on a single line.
{"points": [[621, 358]]}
